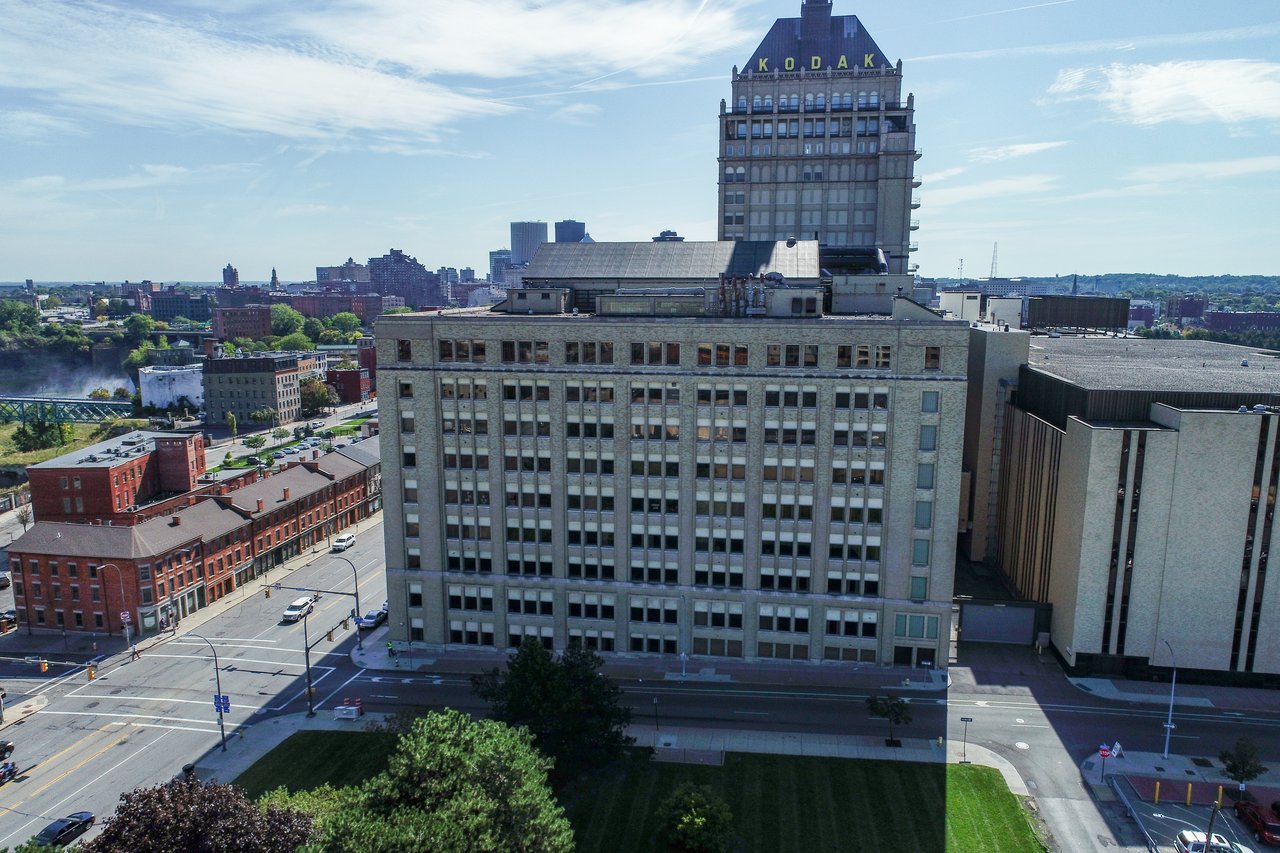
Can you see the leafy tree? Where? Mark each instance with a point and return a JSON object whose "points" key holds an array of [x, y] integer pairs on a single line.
{"points": [[285, 320], [295, 342], [574, 712], [695, 819], [231, 424], [162, 342], [346, 364], [138, 357], [316, 396], [453, 785], [200, 818], [279, 434], [265, 415], [228, 349], [892, 708], [99, 394], [181, 321], [51, 302], [1241, 763], [401, 310], [121, 393], [18, 316], [40, 435], [24, 516], [255, 442], [331, 336], [345, 321], [312, 327], [138, 328]]}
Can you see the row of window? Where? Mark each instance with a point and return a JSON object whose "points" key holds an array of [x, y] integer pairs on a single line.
{"points": [[866, 99]]}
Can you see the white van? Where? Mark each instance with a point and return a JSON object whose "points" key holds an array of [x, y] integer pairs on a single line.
{"points": [[298, 608], [342, 543]]}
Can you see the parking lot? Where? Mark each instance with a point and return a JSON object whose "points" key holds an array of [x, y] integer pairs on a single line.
{"points": [[1164, 820]]}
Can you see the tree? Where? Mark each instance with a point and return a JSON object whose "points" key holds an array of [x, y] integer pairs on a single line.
{"points": [[695, 819], [24, 516], [345, 321], [892, 708], [574, 712], [346, 364], [121, 393], [331, 336], [312, 327], [99, 394], [180, 321], [255, 442], [186, 814], [52, 302], [231, 424], [18, 316], [279, 434], [1240, 763], [295, 342], [265, 415], [316, 396], [138, 328], [285, 320], [453, 785]]}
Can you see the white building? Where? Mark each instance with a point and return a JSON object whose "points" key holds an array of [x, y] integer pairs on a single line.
{"points": [[168, 387]]}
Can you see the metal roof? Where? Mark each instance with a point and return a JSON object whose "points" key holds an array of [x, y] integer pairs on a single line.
{"points": [[817, 33], [1141, 364], [668, 261]]}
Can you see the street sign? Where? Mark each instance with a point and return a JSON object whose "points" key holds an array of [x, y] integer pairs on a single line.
{"points": [[966, 719], [1104, 751], [125, 617], [222, 704]]}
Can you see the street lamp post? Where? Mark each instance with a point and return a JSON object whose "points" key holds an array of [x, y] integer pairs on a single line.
{"points": [[306, 644], [655, 713], [1173, 685], [217, 686], [123, 604], [355, 579]]}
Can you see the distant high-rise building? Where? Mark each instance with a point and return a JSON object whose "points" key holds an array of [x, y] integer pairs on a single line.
{"points": [[466, 275], [526, 237], [570, 231], [275, 279], [350, 271], [499, 260], [818, 141], [230, 276], [398, 274]]}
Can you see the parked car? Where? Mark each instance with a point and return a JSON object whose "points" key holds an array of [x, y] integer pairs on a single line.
{"points": [[1191, 841], [1264, 825], [371, 620], [10, 614], [65, 830], [5, 580], [342, 543], [298, 608]]}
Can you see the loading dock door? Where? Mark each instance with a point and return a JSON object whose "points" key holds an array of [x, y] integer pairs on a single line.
{"points": [[998, 623]]}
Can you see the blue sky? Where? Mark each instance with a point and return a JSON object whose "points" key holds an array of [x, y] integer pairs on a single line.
{"points": [[163, 140]]}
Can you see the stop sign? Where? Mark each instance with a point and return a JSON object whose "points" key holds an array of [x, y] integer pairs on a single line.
{"points": [[1105, 752]]}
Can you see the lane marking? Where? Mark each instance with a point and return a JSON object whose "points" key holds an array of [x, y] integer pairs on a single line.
{"points": [[123, 698], [174, 728], [339, 687]]}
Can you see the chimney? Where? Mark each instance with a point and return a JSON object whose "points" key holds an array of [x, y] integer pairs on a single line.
{"points": [[261, 505], [286, 495], [177, 521]]}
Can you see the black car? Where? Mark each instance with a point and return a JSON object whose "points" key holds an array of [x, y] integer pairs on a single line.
{"points": [[62, 832]]}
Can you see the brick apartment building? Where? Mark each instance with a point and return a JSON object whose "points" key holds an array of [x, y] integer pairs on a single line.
{"points": [[81, 577], [251, 321], [111, 480], [366, 306], [351, 384], [245, 384]]}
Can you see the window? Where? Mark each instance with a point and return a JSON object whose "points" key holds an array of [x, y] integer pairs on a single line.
{"points": [[919, 552], [915, 626], [406, 390], [919, 588], [933, 358], [924, 515], [924, 475], [929, 401], [404, 350], [928, 437]]}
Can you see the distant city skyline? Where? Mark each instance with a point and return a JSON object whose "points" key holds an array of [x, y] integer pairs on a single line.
{"points": [[1082, 136]]}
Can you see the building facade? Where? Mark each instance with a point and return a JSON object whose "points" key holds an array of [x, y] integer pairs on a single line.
{"points": [[398, 274], [817, 140], [348, 272], [171, 303], [570, 231], [526, 237], [172, 386], [351, 384], [248, 383], [672, 475], [1137, 486], [230, 276], [251, 321]]}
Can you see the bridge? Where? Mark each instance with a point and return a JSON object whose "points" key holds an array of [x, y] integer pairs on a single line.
{"points": [[62, 409]]}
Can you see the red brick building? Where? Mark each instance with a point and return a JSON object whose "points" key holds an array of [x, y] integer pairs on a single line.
{"points": [[82, 577], [366, 306], [114, 480], [352, 384], [251, 321]]}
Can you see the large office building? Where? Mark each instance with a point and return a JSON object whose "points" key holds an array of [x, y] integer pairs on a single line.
{"points": [[1137, 491], [398, 274], [526, 237], [570, 231], [726, 470], [818, 141]]}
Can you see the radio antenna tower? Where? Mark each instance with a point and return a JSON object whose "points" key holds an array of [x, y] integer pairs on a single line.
{"points": [[994, 248], [960, 271]]}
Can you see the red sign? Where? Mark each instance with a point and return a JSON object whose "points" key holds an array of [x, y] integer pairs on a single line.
{"points": [[1104, 752]]}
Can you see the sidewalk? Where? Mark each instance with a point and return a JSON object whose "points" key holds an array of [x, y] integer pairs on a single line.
{"points": [[1186, 695], [1204, 773]]}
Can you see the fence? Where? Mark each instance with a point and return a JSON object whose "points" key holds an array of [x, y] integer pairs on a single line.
{"points": [[1152, 847]]}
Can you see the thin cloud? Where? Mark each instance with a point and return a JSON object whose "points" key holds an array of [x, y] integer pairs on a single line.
{"points": [[1209, 170], [1258, 32], [998, 188], [942, 175], [1010, 152], [1230, 91], [575, 113], [28, 126], [394, 74], [305, 210]]}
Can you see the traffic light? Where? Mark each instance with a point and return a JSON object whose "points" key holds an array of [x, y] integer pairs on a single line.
{"points": [[92, 672], [345, 624], [267, 590], [44, 665], [329, 636]]}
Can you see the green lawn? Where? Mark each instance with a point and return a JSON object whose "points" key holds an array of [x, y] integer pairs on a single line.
{"points": [[779, 803], [308, 759]]}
